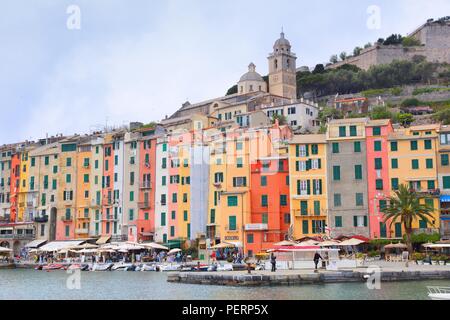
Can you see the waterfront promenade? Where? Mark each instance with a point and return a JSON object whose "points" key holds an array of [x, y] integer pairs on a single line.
{"points": [[387, 272]]}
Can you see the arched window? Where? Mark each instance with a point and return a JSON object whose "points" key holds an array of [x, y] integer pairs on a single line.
{"points": [[276, 64]]}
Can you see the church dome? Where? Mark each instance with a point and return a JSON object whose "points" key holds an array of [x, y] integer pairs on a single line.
{"points": [[251, 75], [282, 42]]}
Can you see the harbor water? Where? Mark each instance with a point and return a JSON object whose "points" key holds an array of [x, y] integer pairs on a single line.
{"points": [[20, 284]]}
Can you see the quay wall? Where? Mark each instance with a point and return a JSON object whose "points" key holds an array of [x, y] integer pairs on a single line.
{"points": [[231, 279]]}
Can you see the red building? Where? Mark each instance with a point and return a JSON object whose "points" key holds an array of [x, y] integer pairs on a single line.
{"points": [[270, 210], [147, 170]]}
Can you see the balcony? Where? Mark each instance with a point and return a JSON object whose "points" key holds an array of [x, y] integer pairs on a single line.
{"points": [[110, 218], [82, 231], [433, 193], [66, 219], [145, 185], [298, 213], [18, 236], [428, 231], [107, 202], [256, 227], [42, 219], [234, 228], [30, 204], [144, 205]]}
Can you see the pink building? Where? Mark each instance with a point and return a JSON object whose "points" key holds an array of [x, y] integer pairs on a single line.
{"points": [[378, 164]]}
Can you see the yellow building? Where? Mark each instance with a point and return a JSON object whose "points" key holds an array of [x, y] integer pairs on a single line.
{"points": [[412, 154], [24, 212], [308, 185], [83, 195]]}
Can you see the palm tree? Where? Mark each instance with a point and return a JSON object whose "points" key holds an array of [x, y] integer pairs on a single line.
{"points": [[405, 207]]}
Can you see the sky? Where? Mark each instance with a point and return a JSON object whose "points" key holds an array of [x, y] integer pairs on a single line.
{"points": [[139, 60]]}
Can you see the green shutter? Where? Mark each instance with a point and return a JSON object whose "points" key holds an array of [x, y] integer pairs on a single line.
{"points": [[378, 163], [394, 163], [355, 221], [232, 222], [338, 222], [305, 227], [213, 216], [398, 230], [415, 164], [429, 163], [304, 208], [422, 224], [335, 147], [342, 131], [379, 184], [353, 131], [317, 208], [427, 145], [383, 233], [413, 145], [394, 183], [446, 182], [377, 146], [336, 173], [232, 201], [394, 146], [444, 159], [376, 131], [431, 185], [357, 146]]}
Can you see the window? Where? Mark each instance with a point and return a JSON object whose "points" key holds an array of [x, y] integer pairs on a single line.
{"points": [[414, 145], [131, 195], [360, 221], [336, 173], [67, 231], [250, 238], [427, 145], [338, 221], [68, 178], [174, 198], [383, 205], [429, 163], [353, 131], [378, 163], [379, 184], [398, 230], [335, 147], [383, 232], [86, 178], [431, 185], [357, 146], [163, 219], [239, 182], [232, 223], [376, 131], [283, 200], [422, 224], [305, 227], [377, 146], [429, 203], [185, 215], [55, 169], [358, 172], [314, 149], [415, 164], [394, 183], [213, 216], [264, 200], [238, 145], [239, 162], [446, 182], [394, 146], [287, 218], [337, 200], [263, 181], [359, 197], [232, 201], [444, 159], [342, 132], [265, 218], [304, 208], [317, 208], [172, 231], [164, 163], [394, 163]]}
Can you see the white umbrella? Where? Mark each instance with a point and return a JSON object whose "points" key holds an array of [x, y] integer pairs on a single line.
{"points": [[223, 245], [3, 249], [123, 251], [285, 243], [154, 245], [174, 251], [396, 245], [351, 242], [329, 243], [309, 243], [85, 246]]}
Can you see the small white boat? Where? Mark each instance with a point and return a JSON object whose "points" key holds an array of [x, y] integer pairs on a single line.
{"points": [[149, 267], [170, 267], [121, 266], [439, 293], [102, 266], [225, 267]]}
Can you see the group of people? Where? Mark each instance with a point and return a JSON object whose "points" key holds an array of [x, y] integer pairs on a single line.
{"points": [[230, 256], [273, 261]]}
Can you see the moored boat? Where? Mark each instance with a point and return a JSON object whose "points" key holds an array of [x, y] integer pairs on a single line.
{"points": [[439, 293], [53, 266], [149, 267], [170, 267], [120, 266], [102, 266]]}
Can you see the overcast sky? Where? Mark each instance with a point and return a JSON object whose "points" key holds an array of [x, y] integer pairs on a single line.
{"points": [[139, 60]]}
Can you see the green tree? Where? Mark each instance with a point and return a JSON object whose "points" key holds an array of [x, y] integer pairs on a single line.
{"points": [[232, 90], [393, 39], [405, 119], [405, 207], [410, 102], [334, 58], [282, 120], [357, 51], [443, 116], [328, 113], [343, 55], [319, 69], [380, 112], [367, 45], [410, 42]]}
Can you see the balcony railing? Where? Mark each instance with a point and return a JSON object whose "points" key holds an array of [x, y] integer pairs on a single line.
{"points": [[234, 228], [144, 205], [66, 218], [15, 236], [256, 227], [82, 231], [435, 192], [426, 231], [146, 185], [42, 219]]}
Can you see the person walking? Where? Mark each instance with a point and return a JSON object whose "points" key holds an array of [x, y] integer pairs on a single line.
{"points": [[317, 256], [273, 261]]}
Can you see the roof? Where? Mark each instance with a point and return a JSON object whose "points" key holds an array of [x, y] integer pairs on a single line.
{"points": [[251, 75], [349, 120], [350, 99], [374, 123], [308, 138], [35, 243], [425, 127]]}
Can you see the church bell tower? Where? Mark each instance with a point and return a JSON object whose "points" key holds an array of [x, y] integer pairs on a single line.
{"points": [[282, 70]]}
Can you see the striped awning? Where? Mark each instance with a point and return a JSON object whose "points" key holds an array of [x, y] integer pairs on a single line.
{"points": [[445, 198]]}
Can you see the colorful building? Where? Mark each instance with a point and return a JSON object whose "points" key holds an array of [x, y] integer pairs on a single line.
{"points": [[443, 164], [308, 185], [412, 157], [377, 146]]}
